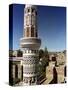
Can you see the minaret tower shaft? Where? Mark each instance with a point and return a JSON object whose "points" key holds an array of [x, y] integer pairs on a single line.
{"points": [[30, 44], [30, 21]]}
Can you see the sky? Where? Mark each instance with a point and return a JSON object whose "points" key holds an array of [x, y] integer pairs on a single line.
{"points": [[51, 22]]}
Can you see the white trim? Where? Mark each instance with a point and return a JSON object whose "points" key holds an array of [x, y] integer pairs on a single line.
{"points": [[29, 75], [30, 54], [28, 65]]}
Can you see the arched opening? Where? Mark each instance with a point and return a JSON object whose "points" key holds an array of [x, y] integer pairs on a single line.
{"points": [[27, 32], [32, 31]]}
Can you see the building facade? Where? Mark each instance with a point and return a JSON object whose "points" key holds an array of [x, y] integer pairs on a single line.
{"points": [[15, 70]]}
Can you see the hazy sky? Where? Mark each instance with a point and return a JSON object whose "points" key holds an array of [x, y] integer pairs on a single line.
{"points": [[51, 26]]}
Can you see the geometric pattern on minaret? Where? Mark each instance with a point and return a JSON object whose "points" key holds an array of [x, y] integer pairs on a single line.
{"points": [[30, 44]]}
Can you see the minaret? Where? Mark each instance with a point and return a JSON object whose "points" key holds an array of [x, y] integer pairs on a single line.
{"points": [[30, 44]]}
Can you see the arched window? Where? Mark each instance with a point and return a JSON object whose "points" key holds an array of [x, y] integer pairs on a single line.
{"points": [[32, 31], [36, 13], [28, 10], [33, 20], [33, 10], [36, 34], [27, 32], [27, 19]]}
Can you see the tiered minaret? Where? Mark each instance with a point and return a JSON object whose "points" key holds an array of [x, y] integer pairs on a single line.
{"points": [[30, 44]]}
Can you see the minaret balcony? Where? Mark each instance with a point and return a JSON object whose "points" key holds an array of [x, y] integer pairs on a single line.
{"points": [[30, 43]]}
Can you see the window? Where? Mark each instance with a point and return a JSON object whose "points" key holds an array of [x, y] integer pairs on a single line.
{"points": [[32, 10], [36, 34], [27, 32], [32, 31], [36, 13], [33, 80], [27, 20], [28, 10], [33, 20], [16, 71], [22, 72]]}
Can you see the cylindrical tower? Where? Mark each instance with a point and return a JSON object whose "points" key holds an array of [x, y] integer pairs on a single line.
{"points": [[30, 44]]}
